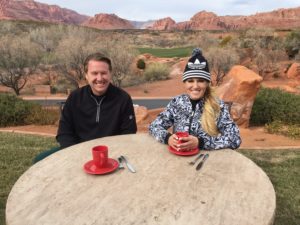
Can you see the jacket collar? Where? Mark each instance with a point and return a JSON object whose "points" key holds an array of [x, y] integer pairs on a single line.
{"points": [[187, 99], [109, 90]]}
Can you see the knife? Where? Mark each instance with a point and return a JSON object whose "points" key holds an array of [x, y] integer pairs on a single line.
{"points": [[198, 167], [129, 166], [196, 159]]}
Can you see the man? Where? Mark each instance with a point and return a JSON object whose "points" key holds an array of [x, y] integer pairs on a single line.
{"points": [[98, 109]]}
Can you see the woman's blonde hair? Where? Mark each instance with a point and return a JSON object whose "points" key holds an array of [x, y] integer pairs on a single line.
{"points": [[210, 113]]}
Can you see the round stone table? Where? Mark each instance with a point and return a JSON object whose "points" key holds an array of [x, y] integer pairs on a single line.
{"points": [[228, 190]]}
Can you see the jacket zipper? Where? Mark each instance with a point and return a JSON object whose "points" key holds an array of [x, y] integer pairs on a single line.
{"points": [[98, 108], [191, 119]]}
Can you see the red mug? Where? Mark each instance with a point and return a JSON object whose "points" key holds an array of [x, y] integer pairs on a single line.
{"points": [[100, 155], [180, 135]]}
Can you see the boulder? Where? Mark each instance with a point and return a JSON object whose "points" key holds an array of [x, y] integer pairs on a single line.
{"points": [[178, 68], [240, 87], [294, 71], [141, 113], [144, 121]]}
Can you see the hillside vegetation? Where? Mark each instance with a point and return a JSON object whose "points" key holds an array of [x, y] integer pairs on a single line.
{"points": [[57, 52]]}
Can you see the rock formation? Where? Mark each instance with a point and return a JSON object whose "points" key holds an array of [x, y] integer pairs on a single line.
{"points": [[282, 18], [240, 87], [3, 9], [164, 24], [204, 20], [108, 21], [294, 71], [31, 10], [141, 113]]}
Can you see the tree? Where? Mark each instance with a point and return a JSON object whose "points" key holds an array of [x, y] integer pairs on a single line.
{"points": [[72, 51], [48, 38], [220, 61], [292, 44], [267, 60], [80, 42], [19, 58], [122, 56], [205, 40], [265, 38]]}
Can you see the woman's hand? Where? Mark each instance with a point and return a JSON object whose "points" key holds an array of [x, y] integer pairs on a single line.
{"points": [[183, 143], [173, 141]]}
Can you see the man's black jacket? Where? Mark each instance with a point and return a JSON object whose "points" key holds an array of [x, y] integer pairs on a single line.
{"points": [[86, 117]]}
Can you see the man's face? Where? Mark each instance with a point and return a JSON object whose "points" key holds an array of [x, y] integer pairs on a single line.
{"points": [[98, 76]]}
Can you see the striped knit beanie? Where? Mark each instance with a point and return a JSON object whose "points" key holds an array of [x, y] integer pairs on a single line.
{"points": [[197, 67]]}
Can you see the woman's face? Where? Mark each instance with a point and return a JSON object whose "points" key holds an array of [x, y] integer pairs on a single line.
{"points": [[195, 87]]}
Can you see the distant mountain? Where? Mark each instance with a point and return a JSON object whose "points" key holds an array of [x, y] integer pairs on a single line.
{"points": [[31, 10], [108, 21], [281, 18], [142, 24], [163, 24]]}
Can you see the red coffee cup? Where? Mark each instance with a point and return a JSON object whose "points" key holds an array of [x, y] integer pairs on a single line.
{"points": [[100, 155], [180, 135]]}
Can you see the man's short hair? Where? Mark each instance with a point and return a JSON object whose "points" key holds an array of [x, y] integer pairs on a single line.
{"points": [[96, 57]]}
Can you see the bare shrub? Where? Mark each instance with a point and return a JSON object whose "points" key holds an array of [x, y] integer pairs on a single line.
{"points": [[157, 71], [263, 38], [47, 37], [205, 40], [71, 52], [267, 60], [42, 116], [80, 42], [8, 27], [221, 60], [19, 58], [292, 43], [121, 54]]}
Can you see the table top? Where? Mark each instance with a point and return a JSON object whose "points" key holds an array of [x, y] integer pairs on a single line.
{"points": [[229, 188]]}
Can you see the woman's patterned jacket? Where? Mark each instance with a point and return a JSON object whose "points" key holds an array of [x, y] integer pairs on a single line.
{"points": [[180, 115]]}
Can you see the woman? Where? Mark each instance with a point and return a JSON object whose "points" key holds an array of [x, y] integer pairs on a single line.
{"points": [[198, 112]]}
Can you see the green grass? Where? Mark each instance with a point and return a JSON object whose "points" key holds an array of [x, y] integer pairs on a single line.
{"points": [[283, 169], [16, 154], [168, 52], [282, 166]]}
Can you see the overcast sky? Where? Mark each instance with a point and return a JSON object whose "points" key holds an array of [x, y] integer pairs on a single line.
{"points": [[179, 10]]}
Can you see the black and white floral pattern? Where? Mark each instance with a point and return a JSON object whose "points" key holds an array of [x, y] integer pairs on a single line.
{"points": [[180, 115]]}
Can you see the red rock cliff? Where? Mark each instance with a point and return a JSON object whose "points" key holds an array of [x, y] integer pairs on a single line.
{"points": [[163, 24], [108, 21], [282, 18], [31, 10]]}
